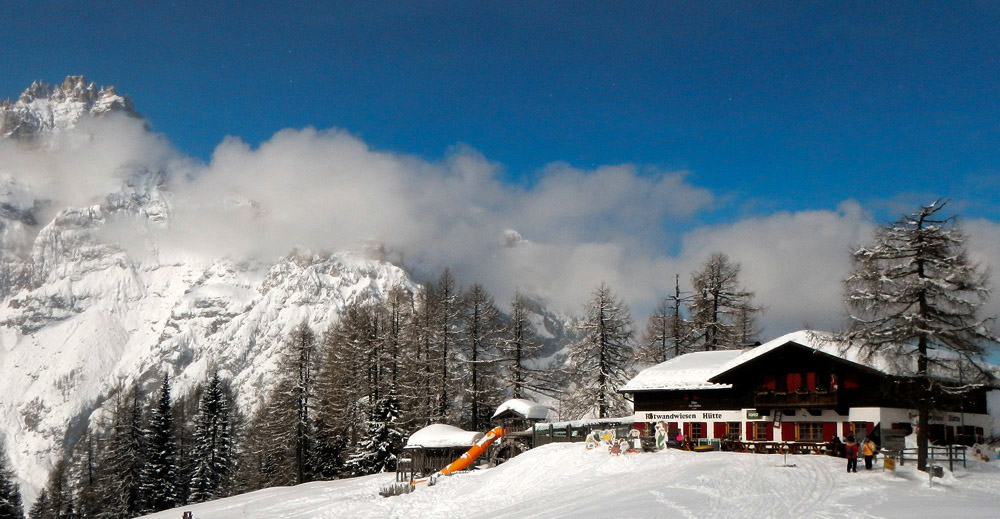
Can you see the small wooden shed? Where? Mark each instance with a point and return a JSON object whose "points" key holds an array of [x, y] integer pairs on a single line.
{"points": [[431, 449], [518, 417]]}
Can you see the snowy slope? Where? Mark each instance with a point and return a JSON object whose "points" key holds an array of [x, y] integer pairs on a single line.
{"points": [[565, 480]]}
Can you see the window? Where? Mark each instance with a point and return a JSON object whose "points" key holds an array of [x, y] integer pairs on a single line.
{"points": [[856, 429], [809, 431], [697, 431], [733, 430], [760, 432]]}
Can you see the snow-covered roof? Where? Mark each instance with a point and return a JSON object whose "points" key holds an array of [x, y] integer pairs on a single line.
{"points": [[691, 371], [527, 408], [820, 341], [886, 363], [439, 435]]}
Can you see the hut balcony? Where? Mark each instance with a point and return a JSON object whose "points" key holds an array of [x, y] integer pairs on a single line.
{"points": [[795, 399]]}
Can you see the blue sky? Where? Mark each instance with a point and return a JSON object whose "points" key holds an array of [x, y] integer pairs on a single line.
{"points": [[778, 107], [777, 133]]}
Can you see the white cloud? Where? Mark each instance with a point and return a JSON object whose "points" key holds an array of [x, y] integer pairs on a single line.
{"points": [[327, 190], [78, 168], [984, 248], [795, 262]]}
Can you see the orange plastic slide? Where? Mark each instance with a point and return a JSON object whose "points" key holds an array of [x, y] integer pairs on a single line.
{"points": [[475, 451], [470, 455]]}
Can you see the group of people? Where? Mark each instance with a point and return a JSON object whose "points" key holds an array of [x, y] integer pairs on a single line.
{"points": [[867, 448]]}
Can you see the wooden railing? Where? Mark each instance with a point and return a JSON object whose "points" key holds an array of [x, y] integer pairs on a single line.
{"points": [[936, 455], [773, 399]]}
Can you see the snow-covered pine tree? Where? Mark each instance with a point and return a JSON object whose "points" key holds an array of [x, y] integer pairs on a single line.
{"points": [[399, 312], [159, 475], [668, 333], [59, 500], [300, 365], [444, 340], [40, 510], [912, 290], [339, 387], [184, 409], [518, 351], [654, 346], [214, 449], [10, 494], [267, 456], [85, 474], [328, 453], [601, 361], [281, 433], [518, 345], [120, 462], [347, 373], [415, 383], [722, 313], [478, 342], [379, 447]]}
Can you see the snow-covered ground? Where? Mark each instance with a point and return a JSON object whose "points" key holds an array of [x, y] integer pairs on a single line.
{"points": [[565, 480]]}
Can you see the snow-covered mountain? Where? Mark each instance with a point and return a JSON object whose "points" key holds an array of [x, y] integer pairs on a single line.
{"points": [[82, 313], [44, 108]]}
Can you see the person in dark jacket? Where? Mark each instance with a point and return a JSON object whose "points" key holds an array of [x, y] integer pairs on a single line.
{"points": [[851, 449], [835, 447]]}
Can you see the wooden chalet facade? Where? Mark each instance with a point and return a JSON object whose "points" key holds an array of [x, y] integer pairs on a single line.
{"points": [[797, 389]]}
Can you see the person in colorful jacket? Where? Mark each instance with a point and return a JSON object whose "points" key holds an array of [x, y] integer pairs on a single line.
{"points": [[851, 449], [868, 449]]}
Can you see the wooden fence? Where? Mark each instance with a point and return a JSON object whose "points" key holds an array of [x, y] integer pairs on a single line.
{"points": [[936, 455]]}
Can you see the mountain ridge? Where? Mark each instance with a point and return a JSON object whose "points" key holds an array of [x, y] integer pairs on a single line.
{"points": [[46, 108]]}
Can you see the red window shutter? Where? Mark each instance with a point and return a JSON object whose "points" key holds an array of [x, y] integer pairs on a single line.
{"points": [[687, 430], [719, 430], [846, 429], [788, 431], [769, 382], [811, 381], [829, 430], [869, 427], [851, 382], [792, 381], [750, 431], [770, 431], [671, 426]]}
